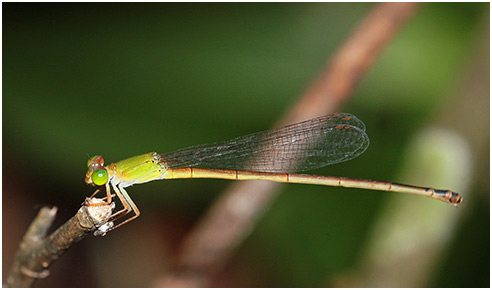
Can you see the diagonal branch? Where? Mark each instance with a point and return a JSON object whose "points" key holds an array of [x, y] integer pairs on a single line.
{"points": [[236, 212], [37, 251]]}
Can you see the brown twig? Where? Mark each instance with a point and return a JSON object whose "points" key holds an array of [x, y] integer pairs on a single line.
{"points": [[37, 251], [236, 212]]}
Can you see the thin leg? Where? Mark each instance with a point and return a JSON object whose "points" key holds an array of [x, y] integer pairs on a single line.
{"points": [[126, 208], [108, 197], [105, 198], [95, 192], [128, 204]]}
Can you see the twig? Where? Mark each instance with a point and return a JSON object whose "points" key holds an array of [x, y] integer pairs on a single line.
{"points": [[38, 251], [236, 212]]}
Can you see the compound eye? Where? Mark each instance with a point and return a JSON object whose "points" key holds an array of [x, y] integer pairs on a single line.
{"points": [[95, 160], [99, 177]]}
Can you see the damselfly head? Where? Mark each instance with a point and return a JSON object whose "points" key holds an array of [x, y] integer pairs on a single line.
{"points": [[96, 174], [95, 161]]}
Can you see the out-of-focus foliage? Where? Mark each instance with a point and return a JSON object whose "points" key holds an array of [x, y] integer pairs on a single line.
{"points": [[125, 79]]}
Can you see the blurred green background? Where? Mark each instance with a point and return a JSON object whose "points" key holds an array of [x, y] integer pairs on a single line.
{"points": [[125, 79]]}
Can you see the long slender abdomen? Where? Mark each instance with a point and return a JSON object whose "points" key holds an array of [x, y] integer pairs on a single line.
{"points": [[443, 195]]}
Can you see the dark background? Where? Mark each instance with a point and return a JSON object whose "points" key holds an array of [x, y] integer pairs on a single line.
{"points": [[125, 79]]}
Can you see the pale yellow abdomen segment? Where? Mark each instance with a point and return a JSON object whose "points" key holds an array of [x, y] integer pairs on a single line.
{"points": [[444, 195], [251, 175], [224, 174]]}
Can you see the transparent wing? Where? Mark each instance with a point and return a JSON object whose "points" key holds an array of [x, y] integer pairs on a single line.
{"points": [[298, 147]]}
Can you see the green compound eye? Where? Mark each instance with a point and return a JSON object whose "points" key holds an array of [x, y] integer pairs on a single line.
{"points": [[99, 177]]}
